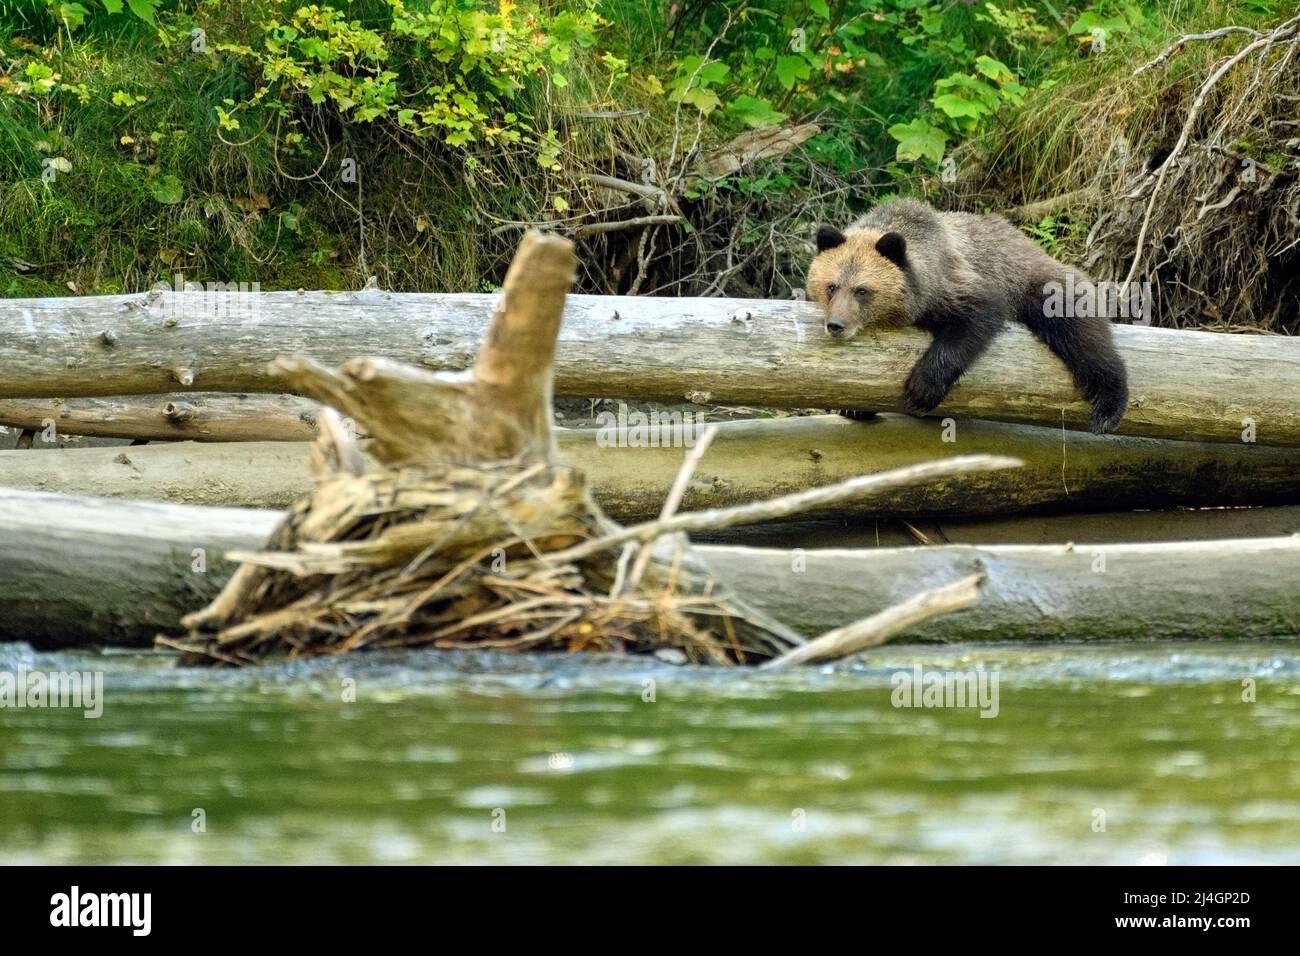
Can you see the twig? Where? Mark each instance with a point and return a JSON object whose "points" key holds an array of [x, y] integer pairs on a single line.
{"points": [[879, 628], [1034, 211], [596, 228], [1183, 40], [643, 190], [783, 507], [602, 114], [673, 501]]}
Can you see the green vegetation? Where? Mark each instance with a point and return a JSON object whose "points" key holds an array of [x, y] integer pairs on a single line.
{"points": [[315, 145]]}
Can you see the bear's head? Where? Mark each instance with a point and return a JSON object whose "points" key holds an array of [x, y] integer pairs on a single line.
{"points": [[858, 279]]}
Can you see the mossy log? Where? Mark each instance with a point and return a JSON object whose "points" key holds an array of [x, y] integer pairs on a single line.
{"points": [[749, 461], [1184, 385]]}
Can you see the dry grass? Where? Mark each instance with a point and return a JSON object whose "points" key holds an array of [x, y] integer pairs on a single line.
{"points": [[1183, 172]]}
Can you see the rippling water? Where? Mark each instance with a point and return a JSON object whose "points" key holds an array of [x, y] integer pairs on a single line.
{"points": [[463, 757]]}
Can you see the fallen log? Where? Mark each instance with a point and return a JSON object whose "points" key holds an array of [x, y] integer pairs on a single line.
{"points": [[748, 461], [1104, 527], [81, 571], [1185, 385], [197, 416]]}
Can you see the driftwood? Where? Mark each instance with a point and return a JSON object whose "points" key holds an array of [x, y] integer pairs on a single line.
{"points": [[879, 628], [81, 571], [748, 461], [1185, 385], [468, 533]]}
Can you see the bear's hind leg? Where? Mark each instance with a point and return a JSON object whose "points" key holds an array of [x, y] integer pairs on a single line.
{"points": [[1087, 347]]}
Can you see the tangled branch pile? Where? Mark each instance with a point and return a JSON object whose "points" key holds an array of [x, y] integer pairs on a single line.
{"points": [[460, 557], [1187, 174]]}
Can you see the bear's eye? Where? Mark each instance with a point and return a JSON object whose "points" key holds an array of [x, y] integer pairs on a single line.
{"points": [[861, 292], [831, 289]]}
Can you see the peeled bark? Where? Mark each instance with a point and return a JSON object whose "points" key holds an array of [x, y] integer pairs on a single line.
{"points": [[1184, 385], [78, 571]]}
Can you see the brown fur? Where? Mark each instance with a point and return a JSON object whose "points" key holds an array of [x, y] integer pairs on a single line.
{"points": [[869, 289], [961, 277]]}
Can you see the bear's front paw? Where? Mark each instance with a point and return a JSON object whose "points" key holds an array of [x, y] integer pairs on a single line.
{"points": [[856, 414], [923, 392], [1105, 418]]}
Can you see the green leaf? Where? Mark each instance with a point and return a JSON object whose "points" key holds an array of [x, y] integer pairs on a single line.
{"points": [[712, 74], [994, 69], [1090, 20], [168, 190], [754, 112], [74, 14], [143, 9], [792, 69], [706, 101], [957, 107], [695, 72], [917, 140]]}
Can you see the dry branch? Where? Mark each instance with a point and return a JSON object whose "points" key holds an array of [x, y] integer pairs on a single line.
{"points": [[1282, 32], [397, 556], [879, 628]]}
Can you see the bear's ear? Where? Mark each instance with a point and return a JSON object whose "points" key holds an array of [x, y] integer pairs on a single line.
{"points": [[893, 247], [828, 237]]}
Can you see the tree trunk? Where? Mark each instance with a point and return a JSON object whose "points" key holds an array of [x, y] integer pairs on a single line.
{"points": [[747, 461], [1185, 385], [80, 571]]}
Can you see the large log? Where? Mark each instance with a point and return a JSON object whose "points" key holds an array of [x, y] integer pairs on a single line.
{"points": [[749, 461], [78, 571], [1185, 385]]}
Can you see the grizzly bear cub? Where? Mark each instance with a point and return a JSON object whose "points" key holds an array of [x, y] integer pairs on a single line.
{"points": [[960, 277]]}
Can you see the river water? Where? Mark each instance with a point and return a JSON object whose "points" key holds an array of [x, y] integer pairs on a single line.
{"points": [[1104, 753]]}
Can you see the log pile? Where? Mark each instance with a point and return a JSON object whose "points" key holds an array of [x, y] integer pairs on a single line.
{"points": [[436, 505], [468, 533]]}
